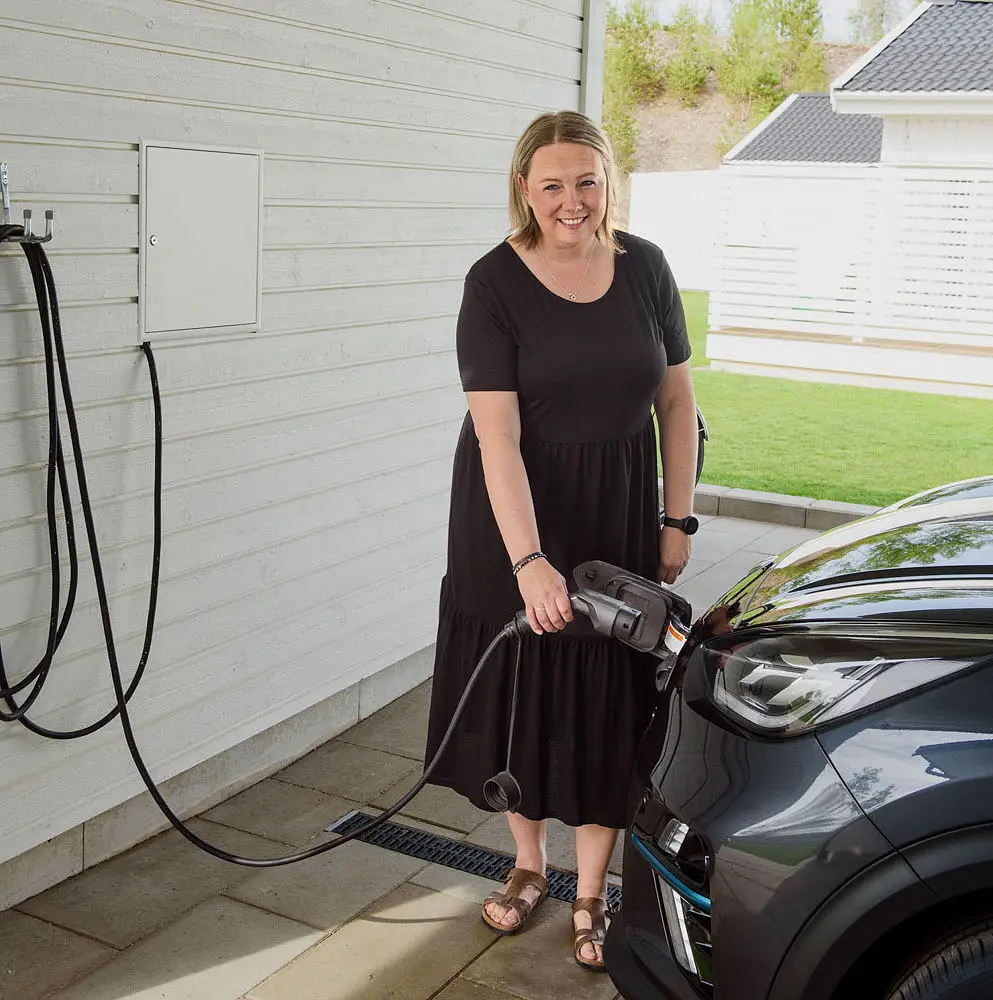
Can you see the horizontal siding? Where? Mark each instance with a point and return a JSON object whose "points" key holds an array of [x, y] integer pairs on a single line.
{"points": [[306, 468]]}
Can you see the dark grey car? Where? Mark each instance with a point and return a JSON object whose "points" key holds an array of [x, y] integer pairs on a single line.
{"points": [[813, 807]]}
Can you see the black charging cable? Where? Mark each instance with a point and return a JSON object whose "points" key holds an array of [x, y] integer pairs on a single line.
{"points": [[48, 309]]}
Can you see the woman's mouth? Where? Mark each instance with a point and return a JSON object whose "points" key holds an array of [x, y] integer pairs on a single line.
{"points": [[573, 223]]}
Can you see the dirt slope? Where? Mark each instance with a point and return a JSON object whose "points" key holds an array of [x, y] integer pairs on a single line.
{"points": [[675, 137]]}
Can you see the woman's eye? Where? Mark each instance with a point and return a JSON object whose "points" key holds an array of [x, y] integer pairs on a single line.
{"points": [[552, 187]]}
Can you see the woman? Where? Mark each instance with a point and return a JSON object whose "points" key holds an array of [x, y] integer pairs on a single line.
{"points": [[569, 333]]}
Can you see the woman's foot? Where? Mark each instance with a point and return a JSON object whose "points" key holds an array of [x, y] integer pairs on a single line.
{"points": [[505, 915], [507, 910], [589, 923]]}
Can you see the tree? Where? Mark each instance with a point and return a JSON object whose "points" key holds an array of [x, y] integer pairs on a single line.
{"points": [[872, 19], [632, 74], [688, 68]]}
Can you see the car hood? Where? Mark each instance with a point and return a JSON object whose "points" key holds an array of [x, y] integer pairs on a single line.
{"points": [[928, 558]]}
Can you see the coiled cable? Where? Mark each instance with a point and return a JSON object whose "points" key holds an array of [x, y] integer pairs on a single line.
{"points": [[48, 310]]}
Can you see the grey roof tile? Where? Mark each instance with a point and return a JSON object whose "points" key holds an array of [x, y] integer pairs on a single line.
{"points": [[949, 47], [810, 131]]}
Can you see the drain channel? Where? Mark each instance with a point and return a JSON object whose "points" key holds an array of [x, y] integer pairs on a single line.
{"points": [[456, 854]]}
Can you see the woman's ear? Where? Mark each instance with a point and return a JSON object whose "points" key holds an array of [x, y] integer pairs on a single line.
{"points": [[523, 185]]}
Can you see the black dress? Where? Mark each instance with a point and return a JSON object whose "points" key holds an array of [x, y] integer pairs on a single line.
{"points": [[586, 375]]}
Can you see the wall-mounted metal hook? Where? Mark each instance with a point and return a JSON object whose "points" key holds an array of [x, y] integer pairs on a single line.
{"points": [[29, 236]]}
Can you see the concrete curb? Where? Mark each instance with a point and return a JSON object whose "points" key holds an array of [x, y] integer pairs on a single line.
{"points": [[776, 508]]}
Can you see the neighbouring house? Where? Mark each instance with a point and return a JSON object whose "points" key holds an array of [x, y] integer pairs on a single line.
{"points": [[307, 442], [856, 238]]}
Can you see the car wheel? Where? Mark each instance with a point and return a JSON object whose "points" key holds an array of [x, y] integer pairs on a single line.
{"points": [[959, 968]]}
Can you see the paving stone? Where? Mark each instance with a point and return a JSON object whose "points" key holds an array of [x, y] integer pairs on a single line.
{"points": [[463, 989], [538, 962], [717, 542], [779, 539], [125, 899], [36, 957], [703, 590], [434, 804], [405, 947], [694, 567], [353, 772], [400, 728], [219, 950], [281, 811], [472, 888], [742, 528], [330, 889]]}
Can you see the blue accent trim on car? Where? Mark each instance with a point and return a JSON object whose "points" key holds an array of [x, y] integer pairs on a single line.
{"points": [[694, 898]]}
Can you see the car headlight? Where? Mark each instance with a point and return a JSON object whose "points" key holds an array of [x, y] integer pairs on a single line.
{"points": [[789, 683]]}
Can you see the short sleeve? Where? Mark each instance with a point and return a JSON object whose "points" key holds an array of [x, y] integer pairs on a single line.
{"points": [[486, 348], [672, 319]]}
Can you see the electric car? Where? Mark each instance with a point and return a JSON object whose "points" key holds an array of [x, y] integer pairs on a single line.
{"points": [[813, 803]]}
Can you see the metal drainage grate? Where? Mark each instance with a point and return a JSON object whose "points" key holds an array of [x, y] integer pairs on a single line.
{"points": [[456, 854]]}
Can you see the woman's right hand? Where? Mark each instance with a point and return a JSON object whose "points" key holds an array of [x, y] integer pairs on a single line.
{"points": [[546, 597]]}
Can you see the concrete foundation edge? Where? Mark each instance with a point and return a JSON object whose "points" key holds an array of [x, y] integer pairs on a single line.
{"points": [[776, 508]]}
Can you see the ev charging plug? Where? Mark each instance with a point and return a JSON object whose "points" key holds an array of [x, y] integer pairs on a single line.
{"points": [[620, 605]]}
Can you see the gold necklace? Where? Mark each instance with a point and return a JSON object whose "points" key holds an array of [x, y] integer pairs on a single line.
{"points": [[572, 295]]}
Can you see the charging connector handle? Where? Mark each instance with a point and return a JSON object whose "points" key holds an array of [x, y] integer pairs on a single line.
{"points": [[608, 616]]}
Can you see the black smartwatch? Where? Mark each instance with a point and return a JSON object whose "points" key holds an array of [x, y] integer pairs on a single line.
{"points": [[690, 525]]}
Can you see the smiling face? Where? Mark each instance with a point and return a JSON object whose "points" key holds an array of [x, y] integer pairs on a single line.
{"points": [[566, 188]]}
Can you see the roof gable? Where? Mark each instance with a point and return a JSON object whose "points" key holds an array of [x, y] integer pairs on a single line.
{"points": [[807, 130], [949, 47]]}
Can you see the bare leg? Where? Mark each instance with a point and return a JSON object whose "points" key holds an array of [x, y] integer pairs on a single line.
{"points": [[529, 835], [594, 845]]}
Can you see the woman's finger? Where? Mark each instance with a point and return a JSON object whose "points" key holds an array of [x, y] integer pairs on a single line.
{"points": [[554, 616], [533, 621]]}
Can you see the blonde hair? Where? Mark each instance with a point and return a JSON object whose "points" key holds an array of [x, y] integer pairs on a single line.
{"points": [[563, 126]]}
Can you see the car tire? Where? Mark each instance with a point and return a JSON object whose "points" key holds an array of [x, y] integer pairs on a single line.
{"points": [[959, 968]]}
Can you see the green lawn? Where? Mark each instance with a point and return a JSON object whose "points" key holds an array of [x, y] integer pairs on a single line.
{"points": [[695, 305], [833, 442]]}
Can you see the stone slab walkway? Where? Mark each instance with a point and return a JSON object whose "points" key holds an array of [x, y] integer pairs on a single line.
{"points": [[166, 922]]}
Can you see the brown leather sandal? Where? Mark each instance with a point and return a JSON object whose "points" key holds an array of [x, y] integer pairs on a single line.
{"points": [[598, 911], [517, 880]]}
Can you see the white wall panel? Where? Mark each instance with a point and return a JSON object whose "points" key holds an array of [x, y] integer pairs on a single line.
{"points": [[680, 212], [871, 264], [306, 468]]}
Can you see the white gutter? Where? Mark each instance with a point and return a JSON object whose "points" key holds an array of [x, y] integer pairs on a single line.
{"points": [[915, 103]]}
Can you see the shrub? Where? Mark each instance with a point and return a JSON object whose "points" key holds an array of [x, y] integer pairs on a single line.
{"points": [[631, 57], [772, 50], [632, 74], [750, 68], [688, 68], [800, 26], [871, 19]]}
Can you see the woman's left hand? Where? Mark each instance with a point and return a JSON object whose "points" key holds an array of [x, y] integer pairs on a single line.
{"points": [[674, 554]]}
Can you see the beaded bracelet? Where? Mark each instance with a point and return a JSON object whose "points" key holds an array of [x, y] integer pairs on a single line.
{"points": [[524, 560]]}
